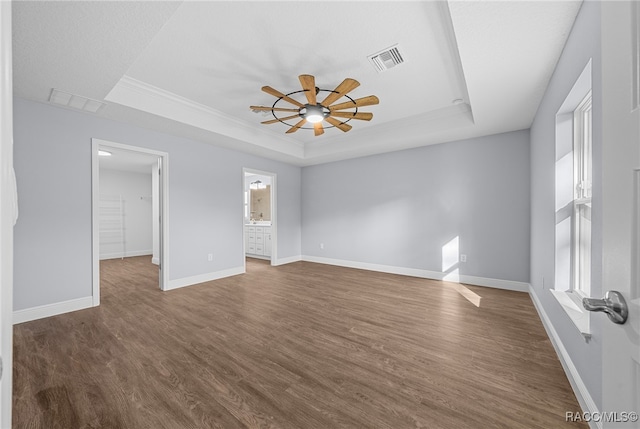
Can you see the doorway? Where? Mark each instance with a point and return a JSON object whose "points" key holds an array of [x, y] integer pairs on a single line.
{"points": [[259, 197], [129, 207]]}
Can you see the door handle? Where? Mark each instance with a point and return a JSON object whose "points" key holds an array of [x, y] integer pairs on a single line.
{"points": [[613, 304]]}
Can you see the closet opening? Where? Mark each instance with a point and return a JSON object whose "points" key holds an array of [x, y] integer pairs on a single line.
{"points": [[129, 207]]}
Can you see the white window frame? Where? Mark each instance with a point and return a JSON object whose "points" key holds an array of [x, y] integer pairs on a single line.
{"points": [[573, 173], [583, 182]]}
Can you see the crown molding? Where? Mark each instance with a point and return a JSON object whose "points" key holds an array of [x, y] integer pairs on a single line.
{"points": [[417, 130], [143, 96]]}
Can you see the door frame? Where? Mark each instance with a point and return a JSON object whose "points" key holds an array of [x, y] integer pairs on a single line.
{"points": [[95, 212], [274, 214], [620, 50], [8, 212]]}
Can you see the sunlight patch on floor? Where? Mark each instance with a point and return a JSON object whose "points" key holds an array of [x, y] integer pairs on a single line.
{"points": [[467, 293]]}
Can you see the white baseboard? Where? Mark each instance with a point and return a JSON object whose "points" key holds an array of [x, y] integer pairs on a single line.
{"points": [[48, 310], [495, 283], [579, 388], [155, 261], [426, 274], [288, 260], [201, 278], [127, 254], [263, 257]]}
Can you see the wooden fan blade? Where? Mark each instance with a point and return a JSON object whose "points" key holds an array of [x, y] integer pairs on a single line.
{"points": [[296, 127], [360, 102], [317, 128], [336, 123], [275, 109], [273, 121], [363, 116], [345, 87], [278, 94], [308, 83]]}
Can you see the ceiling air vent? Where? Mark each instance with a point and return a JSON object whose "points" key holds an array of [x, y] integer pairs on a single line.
{"points": [[384, 60], [75, 101]]}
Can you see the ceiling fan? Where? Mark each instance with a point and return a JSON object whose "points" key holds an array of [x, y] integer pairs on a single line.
{"points": [[316, 112]]}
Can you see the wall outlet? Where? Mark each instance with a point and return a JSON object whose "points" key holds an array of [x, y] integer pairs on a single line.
{"points": [[321, 245], [463, 257], [210, 257]]}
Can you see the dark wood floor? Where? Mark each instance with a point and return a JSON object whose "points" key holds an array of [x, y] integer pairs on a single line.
{"points": [[298, 346]]}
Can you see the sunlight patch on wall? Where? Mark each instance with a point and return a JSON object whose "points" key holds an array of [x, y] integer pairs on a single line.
{"points": [[450, 260], [451, 271], [450, 254]]}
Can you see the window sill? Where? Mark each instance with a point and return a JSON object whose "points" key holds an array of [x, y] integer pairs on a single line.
{"points": [[571, 302]]}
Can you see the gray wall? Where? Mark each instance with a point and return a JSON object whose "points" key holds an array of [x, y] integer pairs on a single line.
{"points": [[53, 235], [400, 208], [583, 44]]}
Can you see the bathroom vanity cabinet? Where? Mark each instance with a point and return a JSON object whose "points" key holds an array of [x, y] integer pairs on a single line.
{"points": [[257, 241]]}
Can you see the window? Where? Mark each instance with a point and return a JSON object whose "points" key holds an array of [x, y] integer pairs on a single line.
{"points": [[582, 183], [573, 191]]}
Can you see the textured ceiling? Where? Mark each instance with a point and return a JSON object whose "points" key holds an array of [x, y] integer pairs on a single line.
{"points": [[85, 47], [193, 68]]}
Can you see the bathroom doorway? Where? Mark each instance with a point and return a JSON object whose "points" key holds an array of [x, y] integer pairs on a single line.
{"points": [[259, 215]]}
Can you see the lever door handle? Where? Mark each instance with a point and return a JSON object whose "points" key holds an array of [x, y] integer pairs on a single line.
{"points": [[613, 304]]}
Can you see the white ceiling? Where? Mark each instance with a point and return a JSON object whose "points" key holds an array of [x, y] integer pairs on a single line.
{"points": [[126, 160], [193, 68]]}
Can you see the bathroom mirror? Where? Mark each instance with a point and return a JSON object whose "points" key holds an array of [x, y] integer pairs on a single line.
{"points": [[260, 206]]}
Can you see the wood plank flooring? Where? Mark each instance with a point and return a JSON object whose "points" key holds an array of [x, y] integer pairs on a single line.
{"points": [[297, 346]]}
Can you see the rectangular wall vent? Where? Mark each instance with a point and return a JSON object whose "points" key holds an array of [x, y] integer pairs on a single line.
{"points": [[75, 101], [384, 60]]}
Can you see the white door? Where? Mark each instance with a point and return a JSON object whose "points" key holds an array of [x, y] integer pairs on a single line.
{"points": [[162, 284], [7, 213], [621, 212]]}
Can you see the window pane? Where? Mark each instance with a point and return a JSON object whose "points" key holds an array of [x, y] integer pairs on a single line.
{"points": [[583, 247], [581, 240], [586, 153]]}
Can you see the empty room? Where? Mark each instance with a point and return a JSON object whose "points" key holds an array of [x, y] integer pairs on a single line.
{"points": [[320, 214]]}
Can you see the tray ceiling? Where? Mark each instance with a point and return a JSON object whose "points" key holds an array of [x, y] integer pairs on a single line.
{"points": [[193, 68]]}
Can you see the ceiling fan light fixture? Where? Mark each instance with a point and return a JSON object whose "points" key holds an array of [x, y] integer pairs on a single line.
{"points": [[314, 118], [314, 114]]}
